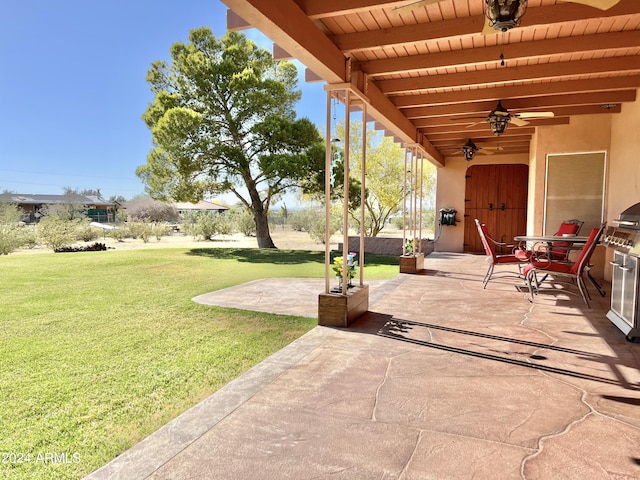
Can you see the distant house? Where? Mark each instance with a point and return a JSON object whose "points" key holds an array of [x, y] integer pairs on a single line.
{"points": [[98, 209], [201, 206]]}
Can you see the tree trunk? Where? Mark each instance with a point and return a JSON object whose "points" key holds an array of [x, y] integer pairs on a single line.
{"points": [[262, 229]]}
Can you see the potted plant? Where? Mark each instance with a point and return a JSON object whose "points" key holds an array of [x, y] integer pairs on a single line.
{"points": [[338, 268], [408, 246]]}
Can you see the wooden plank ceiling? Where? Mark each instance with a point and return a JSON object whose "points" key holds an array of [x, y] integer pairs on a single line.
{"points": [[432, 76]]}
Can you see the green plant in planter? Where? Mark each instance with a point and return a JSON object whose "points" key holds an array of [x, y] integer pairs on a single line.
{"points": [[338, 268], [408, 246]]}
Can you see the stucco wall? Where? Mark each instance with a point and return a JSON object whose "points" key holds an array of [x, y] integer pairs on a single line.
{"points": [[586, 133], [624, 162]]}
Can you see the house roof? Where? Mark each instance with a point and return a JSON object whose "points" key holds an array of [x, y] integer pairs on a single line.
{"points": [[431, 77], [46, 199], [201, 205]]}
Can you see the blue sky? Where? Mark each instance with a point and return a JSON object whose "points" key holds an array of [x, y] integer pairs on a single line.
{"points": [[72, 80]]}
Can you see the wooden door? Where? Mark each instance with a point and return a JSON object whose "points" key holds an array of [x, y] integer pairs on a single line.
{"points": [[497, 196]]}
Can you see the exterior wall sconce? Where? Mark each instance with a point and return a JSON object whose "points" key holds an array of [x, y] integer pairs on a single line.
{"points": [[503, 15], [498, 119]]}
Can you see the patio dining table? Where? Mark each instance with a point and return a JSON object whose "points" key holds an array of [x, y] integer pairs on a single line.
{"points": [[550, 239]]}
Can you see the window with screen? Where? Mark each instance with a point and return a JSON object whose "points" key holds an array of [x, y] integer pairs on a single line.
{"points": [[574, 189]]}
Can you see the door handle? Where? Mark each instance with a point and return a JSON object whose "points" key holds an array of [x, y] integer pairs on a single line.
{"points": [[491, 207], [503, 207]]}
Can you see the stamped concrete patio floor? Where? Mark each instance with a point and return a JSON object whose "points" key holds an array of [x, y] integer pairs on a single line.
{"points": [[440, 380]]}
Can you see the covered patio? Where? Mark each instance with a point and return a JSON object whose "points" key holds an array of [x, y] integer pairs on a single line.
{"points": [[528, 109], [441, 379]]}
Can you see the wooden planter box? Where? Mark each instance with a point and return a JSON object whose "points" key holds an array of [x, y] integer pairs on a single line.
{"points": [[337, 310], [411, 263]]}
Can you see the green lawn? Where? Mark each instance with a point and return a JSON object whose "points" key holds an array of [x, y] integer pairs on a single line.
{"points": [[99, 349]]}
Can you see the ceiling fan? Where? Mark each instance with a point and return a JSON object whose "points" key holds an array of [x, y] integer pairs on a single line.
{"points": [[503, 15], [470, 149], [499, 117]]}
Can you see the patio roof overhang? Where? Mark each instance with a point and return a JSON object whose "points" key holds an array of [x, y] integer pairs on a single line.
{"points": [[432, 77]]}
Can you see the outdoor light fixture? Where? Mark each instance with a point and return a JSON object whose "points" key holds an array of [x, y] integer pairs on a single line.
{"points": [[504, 14], [469, 149], [498, 119]]}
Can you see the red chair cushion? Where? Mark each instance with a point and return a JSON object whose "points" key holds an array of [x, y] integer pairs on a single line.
{"points": [[507, 259], [548, 266]]}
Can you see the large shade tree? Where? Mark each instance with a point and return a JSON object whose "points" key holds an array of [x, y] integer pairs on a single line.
{"points": [[223, 120]]}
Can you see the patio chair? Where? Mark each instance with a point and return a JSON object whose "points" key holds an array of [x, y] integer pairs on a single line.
{"points": [[573, 271], [493, 258], [559, 251]]}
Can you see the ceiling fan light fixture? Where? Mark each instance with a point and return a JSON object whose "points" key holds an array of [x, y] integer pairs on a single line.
{"points": [[503, 15], [498, 119], [469, 149]]}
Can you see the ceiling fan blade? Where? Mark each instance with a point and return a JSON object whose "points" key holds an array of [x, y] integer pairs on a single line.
{"points": [[534, 115], [518, 121], [412, 6], [601, 4], [475, 123]]}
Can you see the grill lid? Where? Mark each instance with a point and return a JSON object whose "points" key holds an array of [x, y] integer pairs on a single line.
{"points": [[630, 218]]}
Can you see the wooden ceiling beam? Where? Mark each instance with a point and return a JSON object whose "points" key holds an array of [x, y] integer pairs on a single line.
{"points": [[235, 23], [487, 140], [385, 112], [516, 91], [515, 105], [558, 112], [507, 142], [318, 9], [501, 151], [292, 30], [463, 122], [560, 13], [288, 26], [511, 51], [543, 122], [508, 132], [512, 74]]}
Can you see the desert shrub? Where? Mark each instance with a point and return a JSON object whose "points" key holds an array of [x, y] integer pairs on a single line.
{"points": [[12, 234], [65, 211], [317, 228], [121, 215], [142, 230], [86, 233], [427, 220], [54, 232], [303, 220], [147, 209], [160, 230], [119, 233], [397, 222], [205, 225], [243, 222]]}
